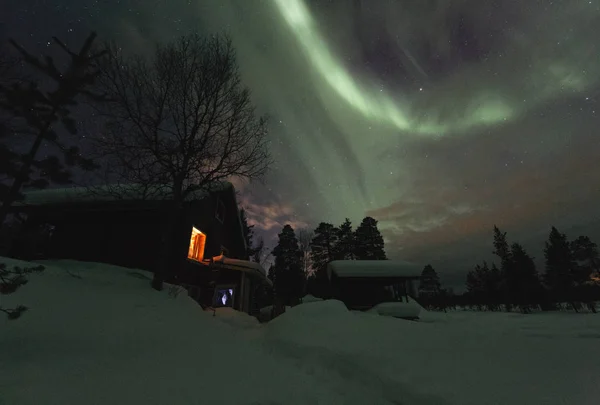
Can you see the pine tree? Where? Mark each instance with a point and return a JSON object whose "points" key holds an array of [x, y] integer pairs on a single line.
{"points": [[346, 245], [10, 281], [527, 287], [289, 278], [560, 265], [322, 248], [369, 242], [430, 282], [586, 271], [510, 281], [36, 112], [484, 286], [585, 254], [429, 286]]}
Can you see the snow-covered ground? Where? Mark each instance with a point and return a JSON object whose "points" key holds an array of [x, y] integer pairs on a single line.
{"points": [[97, 334]]}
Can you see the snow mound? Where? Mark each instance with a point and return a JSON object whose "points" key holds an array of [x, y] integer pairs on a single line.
{"points": [[234, 318], [410, 309], [307, 299], [98, 335]]}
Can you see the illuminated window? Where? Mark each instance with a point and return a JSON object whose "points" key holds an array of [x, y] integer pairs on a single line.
{"points": [[197, 242], [224, 296]]}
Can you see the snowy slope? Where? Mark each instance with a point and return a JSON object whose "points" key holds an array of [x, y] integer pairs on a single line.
{"points": [[460, 358], [100, 335], [97, 334]]}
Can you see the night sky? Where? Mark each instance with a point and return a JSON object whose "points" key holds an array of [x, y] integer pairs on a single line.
{"points": [[439, 118]]}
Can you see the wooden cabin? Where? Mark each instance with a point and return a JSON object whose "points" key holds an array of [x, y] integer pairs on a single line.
{"points": [[120, 226], [383, 286]]}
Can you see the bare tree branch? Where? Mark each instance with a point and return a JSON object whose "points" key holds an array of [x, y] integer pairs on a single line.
{"points": [[180, 119]]}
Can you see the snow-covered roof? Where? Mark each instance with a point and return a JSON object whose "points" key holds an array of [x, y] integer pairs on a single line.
{"points": [[373, 268], [242, 265], [110, 192]]}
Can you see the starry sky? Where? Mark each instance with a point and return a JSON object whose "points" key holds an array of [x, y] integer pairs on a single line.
{"points": [[438, 118]]}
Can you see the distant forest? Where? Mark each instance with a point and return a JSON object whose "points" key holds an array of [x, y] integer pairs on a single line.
{"points": [[571, 275]]}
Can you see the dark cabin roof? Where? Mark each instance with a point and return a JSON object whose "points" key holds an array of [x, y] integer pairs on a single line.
{"points": [[373, 269], [110, 193], [116, 193]]}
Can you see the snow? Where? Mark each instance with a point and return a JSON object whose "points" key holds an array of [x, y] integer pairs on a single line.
{"points": [[408, 309], [373, 268], [97, 334], [111, 192], [310, 298]]}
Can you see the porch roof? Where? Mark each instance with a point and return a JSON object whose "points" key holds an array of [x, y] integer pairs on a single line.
{"points": [[242, 265]]}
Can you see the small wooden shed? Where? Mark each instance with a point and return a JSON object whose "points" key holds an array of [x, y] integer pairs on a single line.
{"points": [[380, 285]]}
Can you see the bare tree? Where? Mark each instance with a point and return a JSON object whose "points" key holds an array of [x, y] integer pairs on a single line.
{"points": [[179, 122], [305, 236], [261, 253]]}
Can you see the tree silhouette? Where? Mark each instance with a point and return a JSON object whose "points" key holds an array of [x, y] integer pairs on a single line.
{"points": [[484, 286], [322, 251], [305, 237], [369, 242], [429, 286], [30, 112], [560, 267], [288, 277], [510, 279], [527, 288], [346, 246], [587, 259], [180, 122], [10, 281]]}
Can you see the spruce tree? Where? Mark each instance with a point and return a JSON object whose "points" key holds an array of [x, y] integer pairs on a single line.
{"points": [[10, 281], [35, 112], [346, 242], [585, 254], [527, 282], [289, 277], [510, 281], [429, 286], [430, 282], [369, 242], [322, 249], [560, 265]]}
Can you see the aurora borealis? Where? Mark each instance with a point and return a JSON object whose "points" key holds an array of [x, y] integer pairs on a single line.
{"points": [[439, 118]]}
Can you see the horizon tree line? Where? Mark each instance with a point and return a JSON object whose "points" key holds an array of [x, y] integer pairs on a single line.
{"points": [[571, 275], [301, 257]]}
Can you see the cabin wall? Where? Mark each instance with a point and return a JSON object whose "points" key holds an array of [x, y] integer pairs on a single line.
{"points": [[129, 233], [366, 292], [221, 237], [126, 238]]}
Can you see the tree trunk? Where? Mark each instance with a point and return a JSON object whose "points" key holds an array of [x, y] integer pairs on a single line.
{"points": [[19, 180], [163, 266]]}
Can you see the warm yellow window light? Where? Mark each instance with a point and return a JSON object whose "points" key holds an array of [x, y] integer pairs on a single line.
{"points": [[197, 242]]}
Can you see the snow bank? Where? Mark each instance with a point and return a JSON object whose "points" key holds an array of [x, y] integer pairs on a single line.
{"points": [[464, 358], [234, 318], [308, 298], [409, 309], [98, 334]]}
